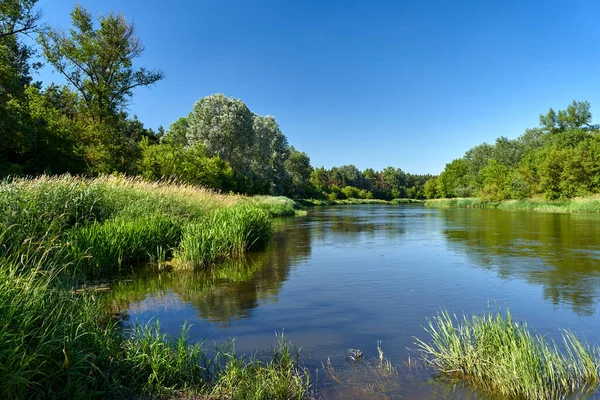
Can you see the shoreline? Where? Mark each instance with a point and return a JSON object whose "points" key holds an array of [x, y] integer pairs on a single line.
{"points": [[575, 205]]}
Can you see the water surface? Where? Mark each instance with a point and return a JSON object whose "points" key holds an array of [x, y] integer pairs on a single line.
{"points": [[347, 277]]}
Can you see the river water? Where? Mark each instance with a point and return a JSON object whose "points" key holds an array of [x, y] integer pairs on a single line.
{"points": [[348, 277]]}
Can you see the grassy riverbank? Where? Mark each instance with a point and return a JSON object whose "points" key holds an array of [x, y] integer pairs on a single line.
{"points": [[580, 204], [322, 202], [495, 355], [62, 343]]}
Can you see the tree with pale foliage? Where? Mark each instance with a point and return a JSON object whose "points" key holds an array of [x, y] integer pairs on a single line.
{"points": [[225, 127], [270, 152]]}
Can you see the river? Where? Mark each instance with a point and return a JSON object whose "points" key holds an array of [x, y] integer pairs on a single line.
{"points": [[347, 277]]}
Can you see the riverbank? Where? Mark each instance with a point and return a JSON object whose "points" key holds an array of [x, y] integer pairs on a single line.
{"points": [[576, 205], [322, 202], [59, 342]]}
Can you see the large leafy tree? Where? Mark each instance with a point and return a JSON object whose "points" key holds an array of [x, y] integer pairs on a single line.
{"points": [[98, 62], [298, 170], [17, 138], [270, 152], [18, 16], [225, 127]]}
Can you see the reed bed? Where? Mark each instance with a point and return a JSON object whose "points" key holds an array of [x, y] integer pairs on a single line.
{"points": [[113, 222], [496, 355], [225, 233]]}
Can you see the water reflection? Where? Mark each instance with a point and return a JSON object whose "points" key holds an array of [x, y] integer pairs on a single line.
{"points": [[222, 294], [558, 251]]}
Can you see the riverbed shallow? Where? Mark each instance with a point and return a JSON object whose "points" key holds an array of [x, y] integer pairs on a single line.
{"points": [[347, 277]]}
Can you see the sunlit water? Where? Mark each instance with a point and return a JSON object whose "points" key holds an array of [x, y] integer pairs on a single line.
{"points": [[347, 277]]}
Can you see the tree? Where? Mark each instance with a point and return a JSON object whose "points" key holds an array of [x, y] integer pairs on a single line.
{"points": [[177, 132], [577, 115], [98, 62], [17, 136], [188, 164], [430, 189], [298, 170], [18, 16], [270, 152], [225, 127]]}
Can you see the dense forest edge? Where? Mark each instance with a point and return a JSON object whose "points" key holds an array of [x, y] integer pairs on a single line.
{"points": [[553, 167]]}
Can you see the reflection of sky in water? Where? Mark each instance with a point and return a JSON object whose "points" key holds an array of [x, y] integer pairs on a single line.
{"points": [[346, 277]]}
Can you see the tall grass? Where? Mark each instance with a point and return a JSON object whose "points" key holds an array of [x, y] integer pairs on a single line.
{"points": [[100, 249], [281, 377], [225, 233], [59, 343], [496, 355], [113, 222]]}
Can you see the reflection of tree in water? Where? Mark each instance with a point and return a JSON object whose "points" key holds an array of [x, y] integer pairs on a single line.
{"points": [[355, 225], [558, 251], [229, 291]]}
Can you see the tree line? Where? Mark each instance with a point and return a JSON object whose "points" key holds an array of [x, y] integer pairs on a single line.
{"points": [[559, 159], [83, 127]]}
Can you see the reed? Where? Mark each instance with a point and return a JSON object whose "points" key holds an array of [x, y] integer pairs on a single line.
{"points": [[103, 249], [496, 355], [280, 377], [225, 233]]}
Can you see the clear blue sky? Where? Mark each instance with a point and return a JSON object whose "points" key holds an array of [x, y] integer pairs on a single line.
{"points": [[412, 84]]}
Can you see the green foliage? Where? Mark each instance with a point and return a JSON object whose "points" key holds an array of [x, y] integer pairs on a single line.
{"points": [[225, 127], [98, 63], [186, 164], [225, 233], [499, 356], [101, 249], [430, 189], [559, 160], [298, 171], [279, 378]]}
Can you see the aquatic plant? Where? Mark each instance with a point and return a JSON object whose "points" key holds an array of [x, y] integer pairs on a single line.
{"points": [[225, 233], [494, 354]]}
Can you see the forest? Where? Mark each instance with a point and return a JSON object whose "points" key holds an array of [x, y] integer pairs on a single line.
{"points": [[559, 159], [84, 127]]}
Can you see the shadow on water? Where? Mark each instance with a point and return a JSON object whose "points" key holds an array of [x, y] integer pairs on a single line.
{"points": [[558, 251]]}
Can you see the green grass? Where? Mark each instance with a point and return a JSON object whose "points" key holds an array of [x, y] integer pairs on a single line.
{"points": [[56, 342], [100, 249], [225, 233], [110, 223], [495, 355], [280, 377], [579, 204]]}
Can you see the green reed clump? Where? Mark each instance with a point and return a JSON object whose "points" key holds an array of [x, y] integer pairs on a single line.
{"points": [[276, 206], [227, 232], [159, 364], [53, 344], [497, 355], [281, 377], [101, 249]]}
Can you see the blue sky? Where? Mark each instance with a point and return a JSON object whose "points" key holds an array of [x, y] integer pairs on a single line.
{"points": [[412, 84]]}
